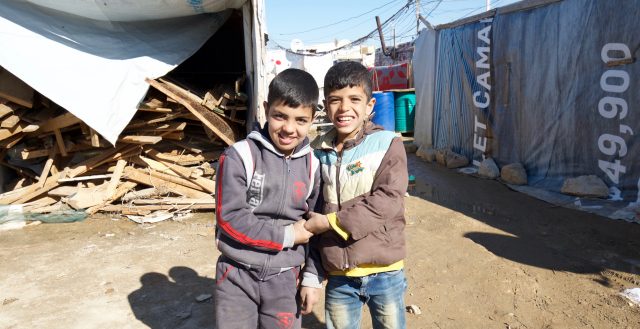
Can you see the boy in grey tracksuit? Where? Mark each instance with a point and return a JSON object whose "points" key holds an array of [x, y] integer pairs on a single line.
{"points": [[265, 185]]}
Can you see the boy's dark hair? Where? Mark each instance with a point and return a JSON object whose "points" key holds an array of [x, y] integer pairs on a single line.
{"points": [[294, 87], [347, 74]]}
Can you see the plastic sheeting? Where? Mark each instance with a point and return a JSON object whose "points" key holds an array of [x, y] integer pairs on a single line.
{"points": [[554, 87], [96, 69], [554, 93], [423, 65], [138, 10]]}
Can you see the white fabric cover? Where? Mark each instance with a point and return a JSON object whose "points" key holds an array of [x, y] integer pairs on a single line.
{"points": [[96, 69]]}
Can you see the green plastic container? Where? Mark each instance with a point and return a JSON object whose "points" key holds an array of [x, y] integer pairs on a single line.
{"points": [[405, 102]]}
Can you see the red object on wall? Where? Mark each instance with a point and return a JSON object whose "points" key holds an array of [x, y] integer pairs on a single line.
{"points": [[390, 77]]}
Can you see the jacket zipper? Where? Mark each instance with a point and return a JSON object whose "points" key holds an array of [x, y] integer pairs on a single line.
{"points": [[345, 259], [286, 172]]}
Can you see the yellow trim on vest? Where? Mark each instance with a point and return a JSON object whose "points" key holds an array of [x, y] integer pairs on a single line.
{"points": [[335, 225], [368, 269]]}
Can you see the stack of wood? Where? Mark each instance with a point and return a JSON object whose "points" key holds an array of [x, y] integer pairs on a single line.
{"points": [[161, 161]]}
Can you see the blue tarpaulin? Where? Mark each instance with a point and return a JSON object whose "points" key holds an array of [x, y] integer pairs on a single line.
{"points": [[554, 86]]}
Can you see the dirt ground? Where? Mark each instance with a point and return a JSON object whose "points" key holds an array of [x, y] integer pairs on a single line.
{"points": [[480, 256]]}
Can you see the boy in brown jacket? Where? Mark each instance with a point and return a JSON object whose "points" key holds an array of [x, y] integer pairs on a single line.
{"points": [[364, 173]]}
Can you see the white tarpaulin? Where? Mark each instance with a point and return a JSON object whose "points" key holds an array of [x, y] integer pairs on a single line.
{"points": [[138, 10], [96, 69]]}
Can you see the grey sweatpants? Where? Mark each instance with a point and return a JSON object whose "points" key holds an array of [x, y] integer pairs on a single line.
{"points": [[243, 301]]}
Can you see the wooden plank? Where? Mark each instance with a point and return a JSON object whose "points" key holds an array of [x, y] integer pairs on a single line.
{"points": [[135, 124], [60, 142], [150, 192], [6, 133], [78, 169], [142, 140], [15, 90], [10, 121], [15, 194], [155, 165], [231, 117], [13, 198], [153, 103], [63, 191], [193, 103], [32, 154], [115, 179], [172, 126], [83, 178], [155, 109], [59, 122], [45, 172], [5, 110], [11, 141], [87, 197], [174, 135], [128, 154], [120, 191], [176, 201], [210, 101], [236, 108], [186, 173], [206, 184], [16, 184], [182, 159], [42, 202], [175, 179], [86, 130], [40, 209], [94, 137], [141, 177], [129, 210], [30, 128], [224, 101], [187, 147], [27, 154], [15, 130]]}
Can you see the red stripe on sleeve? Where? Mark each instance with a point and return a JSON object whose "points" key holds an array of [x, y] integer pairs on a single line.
{"points": [[242, 238]]}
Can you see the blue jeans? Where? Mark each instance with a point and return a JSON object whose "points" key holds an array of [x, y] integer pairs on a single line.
{"points": [[382, 292]]}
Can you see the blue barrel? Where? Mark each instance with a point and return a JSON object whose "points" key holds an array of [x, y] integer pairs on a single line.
{"points": [[384, 112], [405, 102]]}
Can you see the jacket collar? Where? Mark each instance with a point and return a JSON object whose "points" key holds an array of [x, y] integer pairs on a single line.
{"points": [[328, 140]]}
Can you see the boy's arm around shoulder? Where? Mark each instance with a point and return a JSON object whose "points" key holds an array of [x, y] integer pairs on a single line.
{"points": [[386, 199], [234, 217]]}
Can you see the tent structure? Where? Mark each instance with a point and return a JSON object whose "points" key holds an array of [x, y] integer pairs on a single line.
{"points": [[92, 58], [552, 84]]}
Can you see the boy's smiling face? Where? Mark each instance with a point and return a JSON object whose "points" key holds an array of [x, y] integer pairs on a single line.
{"points": [[348, 108], [288, 126]]}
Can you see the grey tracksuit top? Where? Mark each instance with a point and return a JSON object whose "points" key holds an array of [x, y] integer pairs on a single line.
{"points": [[260, 193]]}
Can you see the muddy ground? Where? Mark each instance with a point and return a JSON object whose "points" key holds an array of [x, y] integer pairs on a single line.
{"points": [[480, 256]]}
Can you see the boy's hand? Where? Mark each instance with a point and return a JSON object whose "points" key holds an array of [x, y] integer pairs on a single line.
{"points": [[301, 234], [317, 223], [308, 297]]}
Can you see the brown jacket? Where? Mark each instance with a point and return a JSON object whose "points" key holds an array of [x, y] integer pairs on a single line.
{"points": [[368, 199]]}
